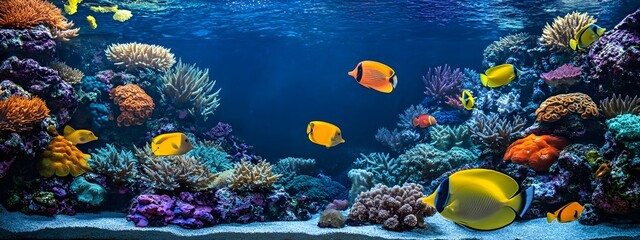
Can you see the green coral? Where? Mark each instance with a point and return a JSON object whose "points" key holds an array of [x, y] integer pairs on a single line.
{"points": [[626, 129], [425, 162], [118, 165], [45, 199], [444, 137], [87, 192], [385, 170], [320, 188], [211, 156]]}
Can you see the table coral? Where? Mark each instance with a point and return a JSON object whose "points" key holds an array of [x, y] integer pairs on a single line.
{"points": [[135, 105], [539, 152], [556, 107], [63, 158], [567, 74], [19, 114]]}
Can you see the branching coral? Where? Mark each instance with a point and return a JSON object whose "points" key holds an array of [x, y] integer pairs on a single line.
{"points": [[494, 132], [385, 170], [397, 140], [19, 114], [135, 105], [208, 153], [425, 163], [513, 45], [63, 158], [171, 173], [616, 105], [556, 107], [119, 166], [187, 87], [291, 167], [398, 208], [29, 13], [68, 74], [133, 56], [563, 29], [539, 152], [65, 35], [442, 82], [406, 118], [248, 176], [444, 137], [567, 74]]}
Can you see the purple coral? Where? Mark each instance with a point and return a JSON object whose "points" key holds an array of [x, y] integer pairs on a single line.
{"points": [[154, 210], [221, 130], [564, 75], [442, 82], [27, 42]]}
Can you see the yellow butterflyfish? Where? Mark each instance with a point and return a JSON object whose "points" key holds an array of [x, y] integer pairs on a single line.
{"points": [[324, 133], [586, 36], [468, 101], [79, 136], [499, 75], [457, 198], [122, 15], [105, 9], [171, 144], [92, 22], [375, 75]]}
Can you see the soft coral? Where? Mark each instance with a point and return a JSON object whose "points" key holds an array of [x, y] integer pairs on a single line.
{"points": [[539, 152]]}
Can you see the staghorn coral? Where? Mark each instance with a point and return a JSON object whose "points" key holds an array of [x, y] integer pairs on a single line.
{"points": [[361, 181], [556, 107], [443, 82], [29, 13], [385, 170], [18, 114], [424, 162], [186, 87], [616, 105], [134, 56], [249, 176], [494, 132], [397, 140], [68, 74], [398, 208], [63, 158], [444, 137], [174, 172], [135, 105], [539, 152], [291, 167], [406, 118], [557, 35], [118, 166], [567, 74]]}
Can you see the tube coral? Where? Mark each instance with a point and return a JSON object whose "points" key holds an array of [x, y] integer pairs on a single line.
{"points": [[557, 35], [133, 56], [19, 114], [135, 105]]}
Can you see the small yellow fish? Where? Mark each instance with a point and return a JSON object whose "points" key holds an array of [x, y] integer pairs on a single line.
{"points": [[467, 100], [78, 136], [105, 9], [72, 6], [586, 36], [122, 15], [92, 22], [567, 213], [324, 133], [499, 75], [171, 144]]}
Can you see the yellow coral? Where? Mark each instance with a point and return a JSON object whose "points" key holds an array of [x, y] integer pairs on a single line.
{"points": [[556, 107], [68, 74], [561, 31], [105, 9], [122, 15], [248, 176], [138, 55], [63, 158]]}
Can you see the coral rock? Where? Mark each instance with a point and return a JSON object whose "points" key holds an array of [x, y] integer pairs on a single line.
{"points": [[331, 219], [135, 105], [63, 158], [539, 152], [19, 114], [556, 107]]}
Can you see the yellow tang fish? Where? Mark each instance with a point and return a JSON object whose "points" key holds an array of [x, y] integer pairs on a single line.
{"points": [[171, 144], [567, 213], [324, 133], [78, 136], [375, 75], [467, 100], [499, 75], [92, 22], [480, 199], [586, 36]]}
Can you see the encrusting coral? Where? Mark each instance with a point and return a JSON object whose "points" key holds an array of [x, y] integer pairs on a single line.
{"points": [[135, 105], [398, 208], [134, 56], [63, 158], [29, 13], [19, 114], [331, 219], [252, 177], [68, 74], [616, 105], [539, 152], [558, 106], [557, 35], [118, 166]]}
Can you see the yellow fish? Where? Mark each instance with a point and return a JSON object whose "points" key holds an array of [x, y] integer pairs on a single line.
{"points": [[72, 7], [78, 136], [480, 199], [171, 144], [586, 36], [92, 22], [567, 213], [324, 133], [467, 100], [499, 75], [105, 9], [122, 15], [375, 75]]}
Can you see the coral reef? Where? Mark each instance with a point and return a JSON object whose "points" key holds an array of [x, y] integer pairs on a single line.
{"points": [[331, 219], [567, 74], [48, 196], [118, 166], [90, 193], [63, 158], [406, 118], [442, 82], [27, 42], [493, 132], [424, 162], [557, 35], [509, 49], [397, 140], [385, 170], [446, 137], [209, 154], [134, 56], [29, 13], [291, 167], [174, 172], [135, 105], [321, 189], [68, 74], [361, 181], [398, 208], [539, 152], [252, 177], [18, 114], [558, 106], [616, 105]]}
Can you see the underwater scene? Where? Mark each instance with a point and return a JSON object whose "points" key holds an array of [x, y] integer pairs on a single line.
{"points": [[328, 119]]}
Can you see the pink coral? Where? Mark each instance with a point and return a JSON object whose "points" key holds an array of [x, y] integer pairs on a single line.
{"points": [[566, 74]]}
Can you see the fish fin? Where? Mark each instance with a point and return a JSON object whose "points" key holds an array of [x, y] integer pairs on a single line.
{"points": [[484, 79], [550, 217], [385, 88], [414, 122], [394, 80], [430, 200], [310, 128], [68, 130], [573, 44], [502, 218], [522, 201], [601, 31]]}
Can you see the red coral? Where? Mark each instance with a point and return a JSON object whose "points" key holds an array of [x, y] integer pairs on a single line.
{"points": [[539, 152], [135, 105]]}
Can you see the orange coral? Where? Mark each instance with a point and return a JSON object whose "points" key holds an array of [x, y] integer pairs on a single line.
{"points": [[539, 152], [29, 13], [19, 114], [63, 158], [135, 105], [556, 107]]}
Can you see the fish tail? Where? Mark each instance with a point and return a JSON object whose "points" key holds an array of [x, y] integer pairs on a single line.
{"points": [[573, 44], [484, 79], [394, 80], [550, 217], [522, 201]]}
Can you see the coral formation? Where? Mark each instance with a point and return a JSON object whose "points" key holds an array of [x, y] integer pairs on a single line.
{"points": [[424, 162], [134, 56], [539, 152], [68, 74], [118, 165], [567, 74], [44, 196], [494, 132], [27, 42], [361, 181], [397, 140], [87, 192], [398, 208], [406, 118], [252, 177], [321, 188], [18, 114], [442, 82], [175, 172], [385, 170], [556, 107], [445, 137], [29, 13], [331, 219], [616, 105], [63, 158], [291, 167], [557, 35], [135, 105], [209, 154], [509, 49]]}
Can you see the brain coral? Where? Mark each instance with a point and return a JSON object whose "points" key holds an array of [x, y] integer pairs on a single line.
{"points": [[556, 107], [135, 105], [21, 114], [561, 31], [135, 55], [63, 158], [539, 152]]}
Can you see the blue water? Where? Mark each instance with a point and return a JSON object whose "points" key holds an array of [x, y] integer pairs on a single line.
{"points": [[281, 64]]}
